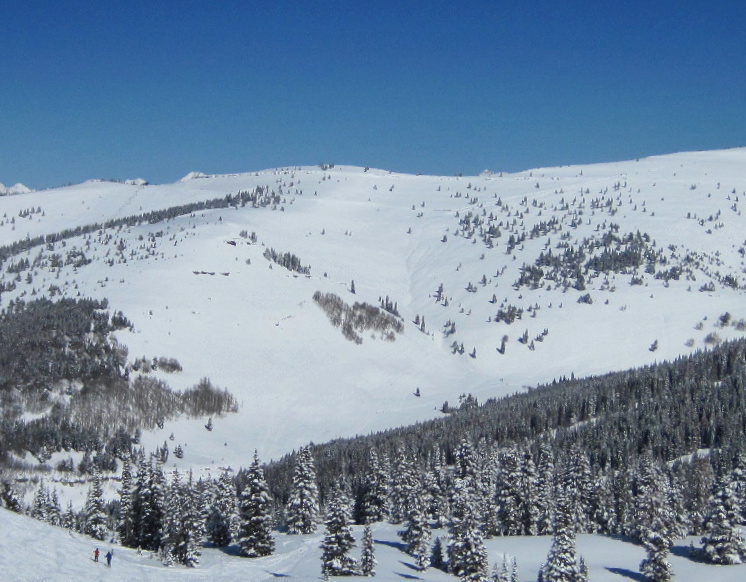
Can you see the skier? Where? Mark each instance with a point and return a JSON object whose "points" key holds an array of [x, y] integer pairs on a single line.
{"points": [[95, 555], [109, 556]]}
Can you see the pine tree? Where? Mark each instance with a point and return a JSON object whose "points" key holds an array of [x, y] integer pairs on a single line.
{"points": [[656, 524], [375, 490], [404, 480], [417, 531], [509, 497], [561, 564], [221, 512], [255, 514], [338, 538], [124, 523], [437, 559], [54, 511], [467, 556], [545, 492], [95, 515], [40, 506], [723, 542], [303, 502], [367, 558], [10, 498], [69, 519]]}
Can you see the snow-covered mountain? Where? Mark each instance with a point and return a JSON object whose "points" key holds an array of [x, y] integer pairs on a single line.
{"points": [[10, 190], [582, 269]]}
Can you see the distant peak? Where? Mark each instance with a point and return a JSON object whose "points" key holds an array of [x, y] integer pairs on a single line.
{"points": [[193, 176], [11, 190]]}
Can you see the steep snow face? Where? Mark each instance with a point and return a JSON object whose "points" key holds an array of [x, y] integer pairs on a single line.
{"points": [[582, 269]]}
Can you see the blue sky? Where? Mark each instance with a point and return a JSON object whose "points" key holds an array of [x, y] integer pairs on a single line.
{"points": [[157, 89]]}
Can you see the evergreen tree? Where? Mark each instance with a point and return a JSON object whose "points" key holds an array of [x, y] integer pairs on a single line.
{"points": [[656, 524], [183, 535], [69, 519], [95, 515], [467, 556], [10, 498], [437, 559], [40, 506], [404, 480], [367, 557], [125, 526], [509, 497], [303, 503], [255, 514], [545, 492], [375, 489], [54, 511], [561, 564], [338, 538], [417, 531], [723, 542], [221, 512]]}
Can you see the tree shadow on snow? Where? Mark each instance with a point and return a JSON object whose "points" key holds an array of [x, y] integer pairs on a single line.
{"points": [[637, 576], [689, 553], [396, 545], [408, 576]]}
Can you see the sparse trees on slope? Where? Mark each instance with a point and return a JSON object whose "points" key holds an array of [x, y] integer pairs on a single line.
{"points": [[303, 503], [255, 514]]}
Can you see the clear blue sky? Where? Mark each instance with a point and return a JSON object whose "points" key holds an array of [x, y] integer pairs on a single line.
{"points": [[157, 89]]}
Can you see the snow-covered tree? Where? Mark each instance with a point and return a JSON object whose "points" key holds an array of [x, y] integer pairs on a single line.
{"points": [[124, 522], [255, 514], [303, 503], [723, 542], [367, 557], [467, 556], [404, 480], [338, 537], [561, 564], [374, 506], [416, 533], [221, 511], [95, 515], [656, 523]]}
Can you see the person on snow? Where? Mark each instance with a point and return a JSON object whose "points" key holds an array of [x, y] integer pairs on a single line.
{"points": [[109, 556]]}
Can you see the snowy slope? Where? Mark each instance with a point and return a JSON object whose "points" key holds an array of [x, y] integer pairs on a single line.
{"points": [[198, 291], [33, 551]]}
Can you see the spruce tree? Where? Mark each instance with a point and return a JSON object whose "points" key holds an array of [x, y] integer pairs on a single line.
{"points": [[255, 514], [338, 538], [723, 542], [367, 557], [221, 512], [303, 503], [124, 523], [417, 531], [95, 515], [656, 524], [561, 564], [375, 489], [467, 556]]}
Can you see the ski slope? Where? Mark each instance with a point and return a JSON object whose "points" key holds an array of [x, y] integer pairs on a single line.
{"points": [[198, 291]]}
